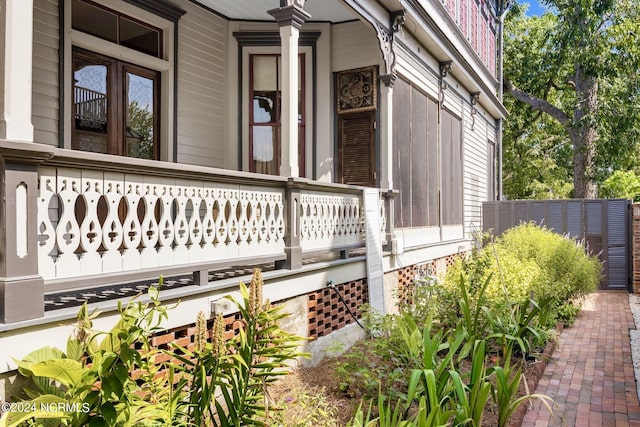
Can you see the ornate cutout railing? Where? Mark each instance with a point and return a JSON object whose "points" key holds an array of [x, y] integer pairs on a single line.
{"points": [[80, 220], [93, 222]]}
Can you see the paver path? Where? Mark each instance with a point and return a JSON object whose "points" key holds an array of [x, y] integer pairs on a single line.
{"points": [[590, 375]]}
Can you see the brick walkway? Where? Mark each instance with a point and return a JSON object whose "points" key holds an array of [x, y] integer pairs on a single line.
{"points": [[590, 375]]}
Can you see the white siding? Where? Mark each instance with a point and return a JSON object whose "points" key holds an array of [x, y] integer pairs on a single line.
{"points": [[354, 45], [201, 87], [45, 71], [475, 167]]}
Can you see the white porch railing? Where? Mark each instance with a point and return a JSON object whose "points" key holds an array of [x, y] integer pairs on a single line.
{"points": [[79, 220], [330, 220], [94, 222]]}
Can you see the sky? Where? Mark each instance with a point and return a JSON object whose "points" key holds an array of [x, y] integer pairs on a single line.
{"points": [[535, 8]]}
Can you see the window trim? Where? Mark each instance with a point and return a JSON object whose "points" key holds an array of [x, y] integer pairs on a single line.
{"points": [[256, 42], [302, 137], [165, 66], [120, 15]]}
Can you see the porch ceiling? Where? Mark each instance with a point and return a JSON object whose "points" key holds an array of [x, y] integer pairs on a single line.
{"points": [[320, 10]]}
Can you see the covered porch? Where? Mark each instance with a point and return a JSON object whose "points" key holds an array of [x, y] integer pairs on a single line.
{"points": [[86, 227], [96, 214]]}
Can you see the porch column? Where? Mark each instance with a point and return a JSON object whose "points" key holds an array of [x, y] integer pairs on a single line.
{"points": [[16, 41], [21, 287], [290, 18], [386, 134], [292, 247]]}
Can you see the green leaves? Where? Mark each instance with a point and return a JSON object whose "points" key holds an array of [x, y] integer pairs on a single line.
{"points": [[114, 375], [581, 59], [42, 407], [65, 371]]}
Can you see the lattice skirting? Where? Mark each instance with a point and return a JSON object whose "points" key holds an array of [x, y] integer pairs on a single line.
{"points": [[328, 314], [407, 275]]}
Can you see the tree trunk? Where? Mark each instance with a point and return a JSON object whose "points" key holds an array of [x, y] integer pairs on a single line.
{"points": [[584, 136], [582, 128]]}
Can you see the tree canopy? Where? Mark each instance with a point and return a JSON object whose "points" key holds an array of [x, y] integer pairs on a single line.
{"points": [[573, 80]]}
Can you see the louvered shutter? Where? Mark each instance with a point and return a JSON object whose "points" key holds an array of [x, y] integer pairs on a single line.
{"points": [[356, 156]]}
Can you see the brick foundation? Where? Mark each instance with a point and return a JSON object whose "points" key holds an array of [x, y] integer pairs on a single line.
{"points": [[407, 275], [328, 314]]}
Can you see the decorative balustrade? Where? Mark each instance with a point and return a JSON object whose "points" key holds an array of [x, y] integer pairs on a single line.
{"points": [[93, 222], [76, 220], [330, 220]]}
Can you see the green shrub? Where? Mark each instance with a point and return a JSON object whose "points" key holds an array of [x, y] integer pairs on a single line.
{"points": [[525, 259], [567, 271]]}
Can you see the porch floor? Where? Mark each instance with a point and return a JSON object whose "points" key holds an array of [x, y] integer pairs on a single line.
{"points": [[76, 297]]}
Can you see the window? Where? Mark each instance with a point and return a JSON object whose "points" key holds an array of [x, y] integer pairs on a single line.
{"points": [[264, 114], [427, 160], [115, 27], [114, 106], [451, 163], [115, 103]]}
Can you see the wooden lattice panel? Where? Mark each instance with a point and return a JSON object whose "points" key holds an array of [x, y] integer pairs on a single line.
{"points": [[327, 313], [184, 336]]}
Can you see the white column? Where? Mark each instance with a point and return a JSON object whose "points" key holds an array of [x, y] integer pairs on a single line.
{"points": [[289, 118], [290, 19], [386, 131], [16, 57]]}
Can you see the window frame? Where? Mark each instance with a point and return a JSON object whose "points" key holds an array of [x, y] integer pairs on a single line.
{"points": [[246, 50], [165, 66], [120, 16], [277, 123]]}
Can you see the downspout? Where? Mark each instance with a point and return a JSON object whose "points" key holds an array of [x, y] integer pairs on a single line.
{"points": [[502, 11]]}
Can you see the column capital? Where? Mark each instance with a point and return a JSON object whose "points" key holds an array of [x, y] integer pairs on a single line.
{"points": [[389, 79], [292, 15]]}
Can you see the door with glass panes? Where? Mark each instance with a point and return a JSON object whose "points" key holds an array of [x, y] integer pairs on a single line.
{"points": [[264, 115]]}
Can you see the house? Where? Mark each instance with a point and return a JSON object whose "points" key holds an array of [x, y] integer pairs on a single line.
{"points": [[330, 141]]}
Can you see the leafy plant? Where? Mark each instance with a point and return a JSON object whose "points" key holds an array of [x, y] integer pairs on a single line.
{"points": [[94, 374], [522, 324], [241, 370], [527, 258], [472, 398], [114, 379], [506, 389], [200, 371]]}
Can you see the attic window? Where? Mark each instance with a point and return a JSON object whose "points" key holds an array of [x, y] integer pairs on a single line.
{"points": [[115, 27]]}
